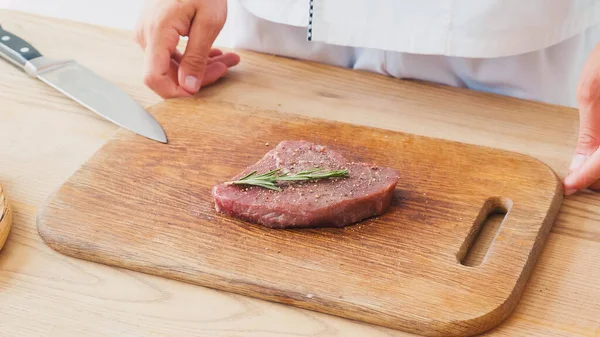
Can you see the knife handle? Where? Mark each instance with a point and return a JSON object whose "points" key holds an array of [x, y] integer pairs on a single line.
{"points": [[15, 49]]}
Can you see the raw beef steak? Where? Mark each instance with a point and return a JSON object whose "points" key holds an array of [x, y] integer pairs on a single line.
{"points": [[335, 202]]}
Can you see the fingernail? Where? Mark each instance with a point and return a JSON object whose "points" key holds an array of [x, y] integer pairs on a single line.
{"points": [[570, 191], [569, 180], [578, 160], [191, 83]]}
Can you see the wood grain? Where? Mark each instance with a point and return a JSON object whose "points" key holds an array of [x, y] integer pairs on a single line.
{"points": [[46, 137], [5, 217], [140, 205]]}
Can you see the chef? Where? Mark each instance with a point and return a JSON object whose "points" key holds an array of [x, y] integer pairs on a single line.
{"points": [[544, 50]]}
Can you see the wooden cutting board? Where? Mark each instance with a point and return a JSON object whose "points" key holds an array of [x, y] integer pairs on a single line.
{"points": [[148, 207]]}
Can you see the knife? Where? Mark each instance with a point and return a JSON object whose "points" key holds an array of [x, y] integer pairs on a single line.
{"points": [[83, 86]]}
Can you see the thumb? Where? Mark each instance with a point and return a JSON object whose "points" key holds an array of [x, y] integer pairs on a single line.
{"points": [[588, 97], [583, 170], [587, 144], [195, 58], [585, 165]]}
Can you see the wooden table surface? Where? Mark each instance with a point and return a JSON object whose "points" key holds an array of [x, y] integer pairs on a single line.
{"points": [[44, 137]]}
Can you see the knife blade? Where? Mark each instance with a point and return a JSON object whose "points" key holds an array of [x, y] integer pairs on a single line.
{"points": [[83, 86]]}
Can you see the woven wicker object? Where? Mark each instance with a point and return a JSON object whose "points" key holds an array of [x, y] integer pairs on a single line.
{"points": [[5, 217]]}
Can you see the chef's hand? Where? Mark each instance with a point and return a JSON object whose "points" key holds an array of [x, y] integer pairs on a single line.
{"points": [[584, 171], [167, 71]]}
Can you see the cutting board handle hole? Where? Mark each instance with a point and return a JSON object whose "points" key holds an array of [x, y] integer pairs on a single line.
{"points": [[484, 231]]}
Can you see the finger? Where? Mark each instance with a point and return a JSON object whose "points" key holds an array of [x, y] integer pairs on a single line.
{"points": [[139, 36], [172, 74], [202, 34], [158, 74], [588, 140], [588, 98], [157, 64], [195, 59], [595, 186], [229, 59], [214, 71], [586, 175], [141, 27], [214, 52], [177, 56]]}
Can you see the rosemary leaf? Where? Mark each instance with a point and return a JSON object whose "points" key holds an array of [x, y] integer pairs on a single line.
{"points": [[269, 179]]}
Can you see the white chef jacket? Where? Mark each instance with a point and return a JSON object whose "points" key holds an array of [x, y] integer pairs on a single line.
{"points": [[531, 49]]}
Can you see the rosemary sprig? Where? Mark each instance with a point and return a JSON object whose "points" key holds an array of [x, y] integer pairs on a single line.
{"points": [[269, 179]]}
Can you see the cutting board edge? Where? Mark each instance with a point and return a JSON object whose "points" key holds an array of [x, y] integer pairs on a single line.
{"points": [[298, 116], [458, 327], [425, 327]]}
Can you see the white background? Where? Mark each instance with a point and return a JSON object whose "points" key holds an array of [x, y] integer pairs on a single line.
{"points": [[114, 13], [121, 14]]}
